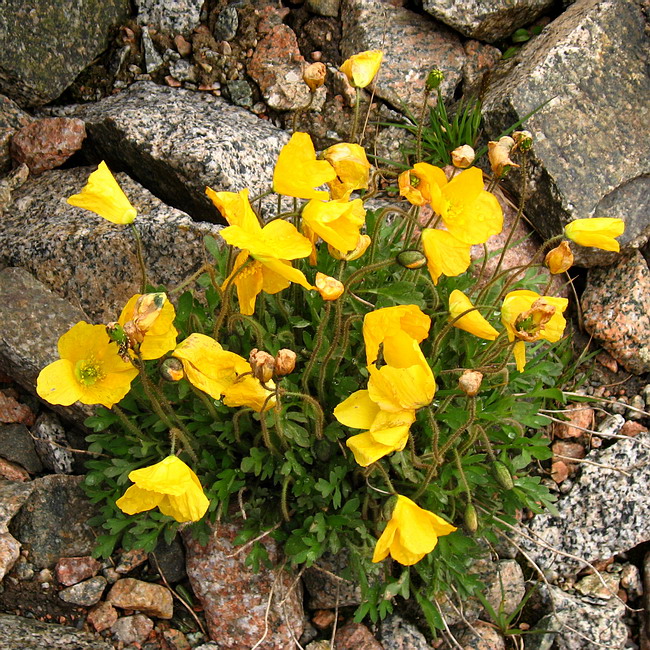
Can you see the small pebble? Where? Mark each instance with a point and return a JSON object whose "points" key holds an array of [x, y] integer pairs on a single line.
{"points": [[619, 407], [638, 403]]}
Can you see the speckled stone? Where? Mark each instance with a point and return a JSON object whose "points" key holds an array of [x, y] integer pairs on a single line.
{"points": [[482, 637], [89, 260], [356, 636], [412, 47], [175, 142], [16, 445], [152, 599], [589, 157], [12, 118], [12, 497], [51, 43], [616, 310], [52, 444], [487, 20], [177, 16], [604, 514], [9, 553], [71, 570], [397, 634], [235, 598], [132, 629], [325, 588], [19, 633], [85, 593]]}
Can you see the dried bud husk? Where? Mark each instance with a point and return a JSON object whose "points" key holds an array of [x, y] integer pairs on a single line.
{"points": [[499, 155], [470, 382], [471, 518], [530, 324], [560, 259], [262, 365], [411, 259], [314, 76], [463, 156], [329, 288], [361, 247], [172, 369], [117, 334], [285, 362], [523, 140], [502, 475], [434, 79]]}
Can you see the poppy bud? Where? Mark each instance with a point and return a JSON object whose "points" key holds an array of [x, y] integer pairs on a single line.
{"points": [[463, 156], [499, 155], [329, 288], [411, 259], [285, 362], [172, 369], [560, 259], [523, 140], [470, 382], [471, 518], [314, 76], [262, 365], [502, 475], [434, 79]]}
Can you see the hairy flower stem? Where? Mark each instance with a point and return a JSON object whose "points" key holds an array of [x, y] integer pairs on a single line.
{"points": [[486, 443], [355, 121], [266, 435], [235, 422], [462, 480], [471, 408], [382, 470], [298, 112], [338, 325], [277, 419], [448, 326], [256, 327], [346, 338], [140, 255], [423, 114], [192, 278], [127, 423], [283, 501], [359, 273], [320, 416], [225, 303], [318, 342]]}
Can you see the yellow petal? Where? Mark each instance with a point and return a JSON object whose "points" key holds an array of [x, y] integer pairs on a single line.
{"points": [[249, 282], [446, 255], [135, 500], [357, 411], [351, 166], [235, 208], [103, 196], [337, 222], [360, 69], [598, 232], [472, 322], [57, 383], [247, 391], [281, 239], [399, 389], [369, 447], [285, 270], [170, 476], [298, 172], [384, 543], [189, 506], [520, 355]]}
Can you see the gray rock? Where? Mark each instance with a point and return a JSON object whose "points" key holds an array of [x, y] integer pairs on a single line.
{"points": [[52, 522], [12, 497], [84, 593], [87, 259], [412, 47], [616, 308], [240, 92], [225, 27], [175, 142], [590, 157], [325, 586], [183, 70], [487, 20], [482, 636], [177, 16], [16, 445], [12, 118], [19, 633], [152, 60], [324, 7], [579, 622], [397, 634], [169, 559], [48, 43], [52, 444], [132, 629], [606, 513]]}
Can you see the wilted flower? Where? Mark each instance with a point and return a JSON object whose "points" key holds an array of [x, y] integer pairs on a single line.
{"points": [[463, 156], [559, 259], [329, 288], [362, 245], [360, 69], [351, 166], [262, 364], [499, 155], [314, 75], [411, 533], [523, 140], [527, 316], [90, 369], [470, 382], [471, 322], [103, 196], [169, 485], [598, 232], [285, 362], [298, 172]]}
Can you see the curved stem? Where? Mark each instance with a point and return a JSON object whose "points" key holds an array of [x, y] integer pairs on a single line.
{"points": [[140, 255]]}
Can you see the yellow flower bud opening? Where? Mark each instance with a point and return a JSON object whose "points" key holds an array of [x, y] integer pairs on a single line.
{"points": [[361, 69]]}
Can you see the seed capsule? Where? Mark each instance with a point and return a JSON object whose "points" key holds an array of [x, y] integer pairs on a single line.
{"points": [[502, 475], [471, 518], [411, 259]]}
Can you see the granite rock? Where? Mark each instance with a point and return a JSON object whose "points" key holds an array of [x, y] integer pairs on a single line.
{"points": [[89, 260], [356, 636], [616, 309], [12, 471], [71, 570], [324, 7], [9, 553], [397, 634], [16, 445], [482, 636], [52, 445], [412, 47], [12, 118], [132, 629], [177, 16], [152, 599], [102, 616], [486, 20], [85, 593], [176, 142], [19, 633], [52, 522], [51, 43], [325, 588], [605, 513], [589, 156], [235, 599]]}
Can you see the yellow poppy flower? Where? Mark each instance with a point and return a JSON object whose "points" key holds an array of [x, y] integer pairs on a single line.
{"points": [[389, 321], [103, 196], [527, 316], [417, 184], [360, 69], [221, 373], [271, 246], [446, 254], [411, 533], [469, 212], [298, 172], [472, 322], [169, 485], [336, 222], [148, 321], [598, 232], [89, 371], [351, 166]]}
